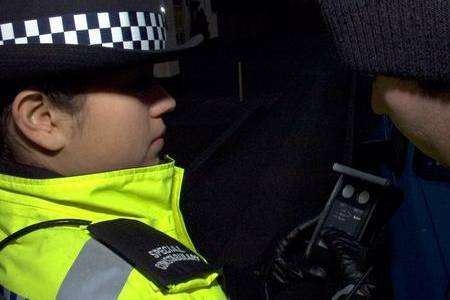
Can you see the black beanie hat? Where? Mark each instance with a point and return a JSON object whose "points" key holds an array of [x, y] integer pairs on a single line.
{"points": [[48, 37], [403, 38]]}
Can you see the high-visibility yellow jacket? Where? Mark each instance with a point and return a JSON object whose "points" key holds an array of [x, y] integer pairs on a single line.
{"points": [[66, 262]]}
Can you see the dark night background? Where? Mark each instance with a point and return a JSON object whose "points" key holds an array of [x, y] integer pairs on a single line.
{"points": [[257, 168]]}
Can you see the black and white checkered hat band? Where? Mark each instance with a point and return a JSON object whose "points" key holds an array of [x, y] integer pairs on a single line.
{"points": [[124, 30]]}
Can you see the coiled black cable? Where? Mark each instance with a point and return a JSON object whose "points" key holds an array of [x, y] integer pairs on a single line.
{"points": [[43, 225]]}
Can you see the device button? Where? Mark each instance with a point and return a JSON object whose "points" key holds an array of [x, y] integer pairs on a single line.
{"points": [[364, 197], [348, 191]]}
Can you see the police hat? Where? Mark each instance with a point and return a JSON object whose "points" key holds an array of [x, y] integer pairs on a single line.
{"points": [[404, 38], [40, 37]]}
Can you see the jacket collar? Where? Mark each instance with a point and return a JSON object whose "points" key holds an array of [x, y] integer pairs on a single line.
{"points": [[150, 195], [138, 193]]}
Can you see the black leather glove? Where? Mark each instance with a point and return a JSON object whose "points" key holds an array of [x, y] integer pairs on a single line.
{"points": [[344, 263], [350, 266], [288, 264]]}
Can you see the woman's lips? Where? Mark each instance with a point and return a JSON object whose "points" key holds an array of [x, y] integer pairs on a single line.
{"points": [[158, 140], [160, 136]]}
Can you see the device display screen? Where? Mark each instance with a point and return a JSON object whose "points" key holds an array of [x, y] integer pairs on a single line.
{"points": [[346, 217]]}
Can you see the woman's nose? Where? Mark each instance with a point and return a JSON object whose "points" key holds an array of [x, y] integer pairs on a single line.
{"points": [[162, 106], [164, 103]]}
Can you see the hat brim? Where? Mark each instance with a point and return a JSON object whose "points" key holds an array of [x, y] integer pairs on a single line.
{"points": [[37, 60]]}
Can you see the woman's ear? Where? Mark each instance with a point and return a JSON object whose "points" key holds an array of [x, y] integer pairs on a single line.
{"points": [[38, 121]]}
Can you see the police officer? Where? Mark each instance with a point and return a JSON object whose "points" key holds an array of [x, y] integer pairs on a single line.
{"points": [[88, 208]]}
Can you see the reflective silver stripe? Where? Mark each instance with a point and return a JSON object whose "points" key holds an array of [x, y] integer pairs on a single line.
{"points": [[97, 273]]}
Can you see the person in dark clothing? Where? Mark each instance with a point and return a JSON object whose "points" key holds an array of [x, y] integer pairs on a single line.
{"points": [[405, 44]]}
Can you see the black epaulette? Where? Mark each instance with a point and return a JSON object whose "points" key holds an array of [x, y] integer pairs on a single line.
{"points": [[157, 256]]}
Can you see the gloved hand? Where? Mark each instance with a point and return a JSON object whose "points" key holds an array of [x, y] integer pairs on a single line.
{"points": [[287, 264], [350, 265], [344, 262]]}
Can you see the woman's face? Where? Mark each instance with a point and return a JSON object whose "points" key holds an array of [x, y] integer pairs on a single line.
{"points": [[423, 119], [120, 125]]}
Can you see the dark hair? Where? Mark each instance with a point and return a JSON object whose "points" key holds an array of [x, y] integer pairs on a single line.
{"points": [[60, 94]]}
